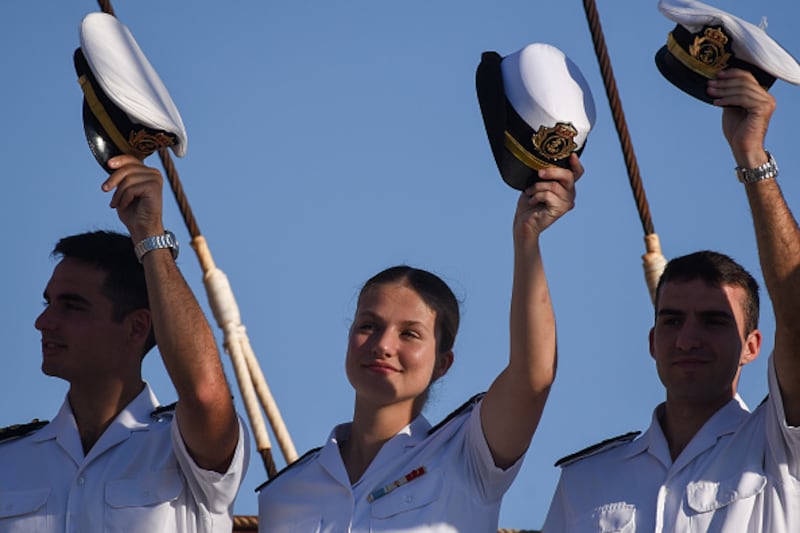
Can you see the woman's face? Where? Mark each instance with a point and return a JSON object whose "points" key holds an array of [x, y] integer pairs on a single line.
{"points": [[391, 353]]}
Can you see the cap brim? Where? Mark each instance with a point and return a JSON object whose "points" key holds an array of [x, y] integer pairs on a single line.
{"points": [[682, 77], [493, 104], [100, 143]]}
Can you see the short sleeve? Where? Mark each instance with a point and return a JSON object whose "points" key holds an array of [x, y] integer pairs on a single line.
{"points": [[783, 440], [213, 490], [491, 480]]}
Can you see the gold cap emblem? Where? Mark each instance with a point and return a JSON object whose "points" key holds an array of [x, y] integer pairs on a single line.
{"points": [[557, 142], [709, 48], [146, 143]]}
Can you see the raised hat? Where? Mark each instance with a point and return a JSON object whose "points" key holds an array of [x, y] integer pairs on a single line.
{"points": [[126, 107], [706, 40], [537, 109]]}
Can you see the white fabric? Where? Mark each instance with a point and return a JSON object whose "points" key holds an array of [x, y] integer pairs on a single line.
{"points": [[545, 87], [750, 43], [137, 478], [461, 490], [738, 474], [127, 77]]}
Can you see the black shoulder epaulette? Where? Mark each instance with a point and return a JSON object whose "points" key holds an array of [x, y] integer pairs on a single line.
{"points": [[464, 406], [161, 410], [299, 460], [20, 430], [596, 448]]}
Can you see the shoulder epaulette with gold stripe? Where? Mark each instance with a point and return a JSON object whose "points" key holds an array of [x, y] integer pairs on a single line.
{"points": [[597, 448], [302, 459], [464, 406], [20, 430]]}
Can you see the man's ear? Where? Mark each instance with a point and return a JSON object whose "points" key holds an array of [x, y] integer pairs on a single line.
{"points": [[751, 348], [139, 324], [651, 341]]}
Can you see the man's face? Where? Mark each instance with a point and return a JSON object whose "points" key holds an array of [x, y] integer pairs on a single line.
{"points": [[699, 343], [80, 340]]}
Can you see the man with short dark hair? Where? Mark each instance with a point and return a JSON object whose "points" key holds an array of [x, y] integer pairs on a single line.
{"points": [[112, 459], [707, 463]]}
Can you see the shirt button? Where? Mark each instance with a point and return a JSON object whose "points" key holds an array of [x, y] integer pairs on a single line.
{"points": [[81, 480], [408, 499]]}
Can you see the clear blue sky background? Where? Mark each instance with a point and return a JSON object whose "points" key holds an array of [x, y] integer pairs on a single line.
{"points": [[328, 140]]}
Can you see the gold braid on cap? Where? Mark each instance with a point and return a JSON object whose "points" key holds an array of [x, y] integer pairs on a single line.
{"points": [[706, 55], [102, 116], [551, 144], [140, 143]]}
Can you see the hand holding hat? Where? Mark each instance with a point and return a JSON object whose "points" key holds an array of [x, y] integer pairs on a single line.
{"points": [[126, 107], [537, 110], [707, 40]]}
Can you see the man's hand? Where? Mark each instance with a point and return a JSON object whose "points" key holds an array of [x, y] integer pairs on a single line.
{"points": [[748, 108], [137, 196]]}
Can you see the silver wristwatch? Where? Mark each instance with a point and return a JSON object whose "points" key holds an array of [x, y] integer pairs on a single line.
{"points": [[768, 170], [167, 240]]}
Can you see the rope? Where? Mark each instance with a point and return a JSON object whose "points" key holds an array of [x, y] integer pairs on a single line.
{"points": [[252, 385], [177, 191], [245, 523], [654, 261]]}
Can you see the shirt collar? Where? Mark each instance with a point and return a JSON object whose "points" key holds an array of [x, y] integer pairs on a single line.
{"points": [[723, 422], [136, 415], [408, 437]]}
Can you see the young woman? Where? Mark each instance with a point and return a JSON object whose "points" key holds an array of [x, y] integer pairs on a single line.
{"points": [[388, 469]]}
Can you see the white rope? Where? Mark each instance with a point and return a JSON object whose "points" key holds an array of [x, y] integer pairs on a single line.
{"points": [[251, 380], [654, 263]]}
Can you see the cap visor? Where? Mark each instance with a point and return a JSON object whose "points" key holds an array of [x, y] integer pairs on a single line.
{"points": [[681, 76]]}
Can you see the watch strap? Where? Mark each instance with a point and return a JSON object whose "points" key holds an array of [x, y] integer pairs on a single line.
{"points": [[156, 242], [768, 170]]}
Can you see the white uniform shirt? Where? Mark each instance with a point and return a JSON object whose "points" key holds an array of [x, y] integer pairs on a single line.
{"points": [[740, 473], [138, 477], [460, 490]]}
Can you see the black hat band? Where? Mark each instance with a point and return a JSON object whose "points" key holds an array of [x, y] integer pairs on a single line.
{"points": [[100, 114], [545, 147], [709, 51]]}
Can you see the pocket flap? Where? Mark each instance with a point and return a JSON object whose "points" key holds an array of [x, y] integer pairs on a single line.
{"points": [[705, 496], [150, 489], [616, 517], [22, 502], [417, 493]]}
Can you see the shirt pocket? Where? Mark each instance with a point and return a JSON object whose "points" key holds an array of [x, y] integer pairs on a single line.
{"points": [[23, 510], [154, 491], [611, 518], [708, 496], [408, 505]]}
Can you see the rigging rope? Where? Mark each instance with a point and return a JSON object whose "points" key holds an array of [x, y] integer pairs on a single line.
{"points": [[653, 260]]}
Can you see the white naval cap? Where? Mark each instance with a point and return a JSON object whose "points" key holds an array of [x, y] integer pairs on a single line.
{"points": [[537, 109], [707, 40], [127, 109]]}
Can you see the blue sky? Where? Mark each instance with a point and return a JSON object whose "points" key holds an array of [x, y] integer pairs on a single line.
{"points": [[328, 140]]}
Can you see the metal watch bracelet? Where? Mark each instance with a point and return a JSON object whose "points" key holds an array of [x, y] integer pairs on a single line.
{"points": [[768, 170], [156, 242]]}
